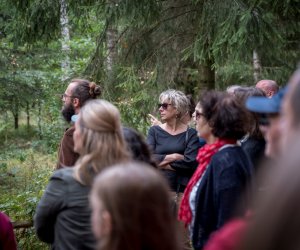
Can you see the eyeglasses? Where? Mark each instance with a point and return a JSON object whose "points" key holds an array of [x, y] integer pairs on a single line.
{"points": [[163, 105], [198, 115], [64, 96]]}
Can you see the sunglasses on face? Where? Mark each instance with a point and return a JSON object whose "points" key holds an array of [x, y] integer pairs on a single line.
{"points": [[164, 106], [198, 115]]}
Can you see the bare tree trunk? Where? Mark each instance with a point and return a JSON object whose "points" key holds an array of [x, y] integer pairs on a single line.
{"points": [[112, 52], [16, 114], [206, 76], [65, 39], [256, 66], [27, 115], [40, 118]]}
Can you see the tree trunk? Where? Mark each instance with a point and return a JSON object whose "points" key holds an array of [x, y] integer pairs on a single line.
{"points": [[206, 76], [40, 118], [16, 114], [112, 52], [65, 39], [256, 66], [27, 115]]}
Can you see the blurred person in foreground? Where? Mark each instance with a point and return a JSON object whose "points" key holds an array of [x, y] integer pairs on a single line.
{"points": [[7, 236], [131, 209], [62, 217]]}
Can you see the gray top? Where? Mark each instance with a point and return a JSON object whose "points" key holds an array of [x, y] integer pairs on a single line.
{"points": [[63, 214]]}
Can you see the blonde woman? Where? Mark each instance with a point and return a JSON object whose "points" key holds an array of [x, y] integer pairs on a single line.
{"points": [[62, 217], [174, 143]]}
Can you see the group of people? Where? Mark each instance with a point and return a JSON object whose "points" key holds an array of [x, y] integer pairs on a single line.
{"points": [[218, 175]]}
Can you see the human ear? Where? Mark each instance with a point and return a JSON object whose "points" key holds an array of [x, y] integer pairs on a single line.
{"points": [[76, 103]]}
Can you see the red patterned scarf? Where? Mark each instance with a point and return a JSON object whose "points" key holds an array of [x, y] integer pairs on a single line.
{"points": [[203, 157]]}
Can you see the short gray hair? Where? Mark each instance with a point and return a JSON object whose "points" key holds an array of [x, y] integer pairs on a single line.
{"points": [[178, 100]]}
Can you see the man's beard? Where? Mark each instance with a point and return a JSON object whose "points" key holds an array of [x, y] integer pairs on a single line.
{"points": [[67, 112]]}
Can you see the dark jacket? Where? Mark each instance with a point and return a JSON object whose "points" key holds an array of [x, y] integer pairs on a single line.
{"points": [[255, 149], [63, 215], [226, 183]]}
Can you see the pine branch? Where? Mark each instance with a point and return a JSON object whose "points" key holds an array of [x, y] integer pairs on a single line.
{"points": [[151, 29]]}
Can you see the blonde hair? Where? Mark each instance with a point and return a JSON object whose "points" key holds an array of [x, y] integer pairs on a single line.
{"points": [[178, 100], [102, 139]]}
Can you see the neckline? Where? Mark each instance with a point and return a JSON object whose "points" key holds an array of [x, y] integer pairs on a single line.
{"points": [[172, 134]]}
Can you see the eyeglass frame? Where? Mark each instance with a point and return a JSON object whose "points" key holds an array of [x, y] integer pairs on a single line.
{"points": [[164, 106], [198, 115], [64, 96]]}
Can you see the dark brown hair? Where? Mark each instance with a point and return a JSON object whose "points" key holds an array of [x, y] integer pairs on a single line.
{"points": [[85, 90], [137, 146], [136, 197], [224, 114]]}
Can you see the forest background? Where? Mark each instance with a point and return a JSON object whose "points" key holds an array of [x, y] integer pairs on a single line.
{"points": [[134, 49]]}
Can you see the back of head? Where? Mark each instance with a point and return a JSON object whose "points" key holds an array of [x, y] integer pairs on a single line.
{"points": [[136, 197], [137, 146], [178, 99], [102, 139], [85, 90], [270, 87], [242, 94], [225, 114]]}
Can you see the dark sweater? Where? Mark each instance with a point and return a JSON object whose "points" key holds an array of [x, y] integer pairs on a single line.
{"points": [[63, 215], [226, 183], [186, 143]]}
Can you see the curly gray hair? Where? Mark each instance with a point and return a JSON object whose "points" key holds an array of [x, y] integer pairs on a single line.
{"points": [[178, 100]]}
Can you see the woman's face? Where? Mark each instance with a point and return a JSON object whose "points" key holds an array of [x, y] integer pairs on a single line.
{"points": [[101, 224], [77, 137], [202, 127], [167, 110]]}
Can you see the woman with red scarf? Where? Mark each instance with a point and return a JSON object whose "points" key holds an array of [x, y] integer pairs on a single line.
{"points": [[224, 174]]}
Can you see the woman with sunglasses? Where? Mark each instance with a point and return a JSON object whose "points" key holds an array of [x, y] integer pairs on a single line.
{"points": [[174, 144], [62, 217], [224, 170]]}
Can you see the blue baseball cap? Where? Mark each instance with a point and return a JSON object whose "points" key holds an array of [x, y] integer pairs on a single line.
{"points": [[74, 118], [266, 105]]}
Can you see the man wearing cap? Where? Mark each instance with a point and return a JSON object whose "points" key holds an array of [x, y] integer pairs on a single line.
{"points": [[269, 109], [270, 87], [77, 93]]}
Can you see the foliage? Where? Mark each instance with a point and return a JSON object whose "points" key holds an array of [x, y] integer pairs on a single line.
{"points": [[24, 173]]}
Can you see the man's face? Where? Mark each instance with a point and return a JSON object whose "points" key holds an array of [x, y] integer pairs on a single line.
{"points": [[68, 109]]}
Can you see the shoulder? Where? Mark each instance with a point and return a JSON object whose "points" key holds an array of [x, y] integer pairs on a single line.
{"points": [[70, 131], [192, 131], [230, 156], [65, 174]]}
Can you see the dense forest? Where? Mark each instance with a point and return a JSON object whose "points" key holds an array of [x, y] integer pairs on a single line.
{"points": [[134, 50]]}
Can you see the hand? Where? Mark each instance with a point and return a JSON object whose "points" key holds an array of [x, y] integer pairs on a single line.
{"points": [[176, 157], [154, 120], [168, 166]]}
